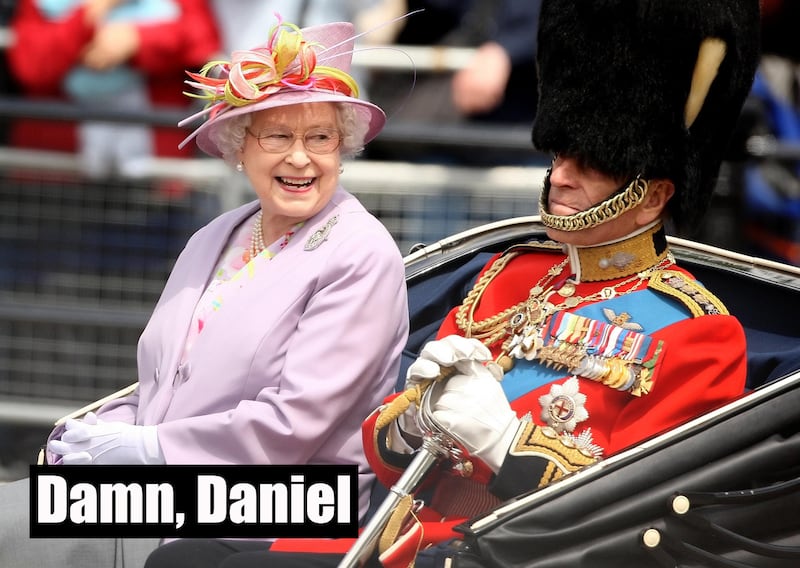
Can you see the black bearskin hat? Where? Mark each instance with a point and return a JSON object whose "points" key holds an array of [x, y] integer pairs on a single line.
{"points": [[620, 87]]}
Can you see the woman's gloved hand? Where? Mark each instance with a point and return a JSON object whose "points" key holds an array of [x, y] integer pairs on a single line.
{"points": [[94, 441]]}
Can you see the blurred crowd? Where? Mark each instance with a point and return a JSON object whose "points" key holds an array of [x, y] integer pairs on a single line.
{"points": [[131, 55], [769, 197]]}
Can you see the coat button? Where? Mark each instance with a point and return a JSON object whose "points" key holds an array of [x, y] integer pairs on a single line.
{"points": [[183, 371]]}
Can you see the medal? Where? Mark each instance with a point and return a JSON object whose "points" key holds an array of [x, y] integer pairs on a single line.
{"points": [[563, 408], [567, 290]]}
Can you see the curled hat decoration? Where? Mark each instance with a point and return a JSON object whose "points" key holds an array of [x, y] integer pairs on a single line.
{"points": [[294, 66]]}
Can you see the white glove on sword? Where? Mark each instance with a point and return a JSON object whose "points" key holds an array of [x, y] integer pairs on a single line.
{"points": [[472, 409], [470, 406], [453, 351]]}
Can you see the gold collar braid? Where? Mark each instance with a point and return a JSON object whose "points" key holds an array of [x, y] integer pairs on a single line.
{"points": [[611, 208], [619, 259]]}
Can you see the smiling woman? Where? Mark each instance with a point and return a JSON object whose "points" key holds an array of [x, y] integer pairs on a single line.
{"points": [[292, 182], [264, 347]]}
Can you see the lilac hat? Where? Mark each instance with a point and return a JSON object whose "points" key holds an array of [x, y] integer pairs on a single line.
{"points": [[295, 66]]}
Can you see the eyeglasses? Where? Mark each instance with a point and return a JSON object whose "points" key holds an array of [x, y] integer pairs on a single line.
{"points": [[316, 140]]}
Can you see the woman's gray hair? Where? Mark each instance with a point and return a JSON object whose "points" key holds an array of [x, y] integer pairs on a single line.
{"points": [[229, 134]]}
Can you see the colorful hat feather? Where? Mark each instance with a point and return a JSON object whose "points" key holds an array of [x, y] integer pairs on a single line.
{"points": [[294, 66]]}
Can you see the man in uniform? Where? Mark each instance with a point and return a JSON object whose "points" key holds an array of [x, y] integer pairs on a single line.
{"points": [[570, 350]]}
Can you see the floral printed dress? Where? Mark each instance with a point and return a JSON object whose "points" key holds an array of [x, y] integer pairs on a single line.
{"points": [[235, 268]]}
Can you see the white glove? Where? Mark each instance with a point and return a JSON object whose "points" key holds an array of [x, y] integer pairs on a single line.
{"points": [[94, 441], [451, 351], [473, 410]]}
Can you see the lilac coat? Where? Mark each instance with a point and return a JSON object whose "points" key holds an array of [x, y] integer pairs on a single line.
{"points": [[288, 369]]}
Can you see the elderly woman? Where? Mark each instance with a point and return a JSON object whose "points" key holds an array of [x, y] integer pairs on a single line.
{"points": [[282, 323]]}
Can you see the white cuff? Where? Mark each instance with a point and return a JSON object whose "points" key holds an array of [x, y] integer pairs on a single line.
{"points": [[151, 446], [495, 455]]}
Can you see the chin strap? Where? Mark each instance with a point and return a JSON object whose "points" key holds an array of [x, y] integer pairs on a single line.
{"points": [[622, 200]]}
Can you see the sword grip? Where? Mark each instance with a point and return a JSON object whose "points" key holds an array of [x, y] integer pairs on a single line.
{"points": [[424, 461]]}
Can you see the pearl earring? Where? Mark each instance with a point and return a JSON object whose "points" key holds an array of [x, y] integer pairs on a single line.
{"points": [[240, 167], [341, 169]]}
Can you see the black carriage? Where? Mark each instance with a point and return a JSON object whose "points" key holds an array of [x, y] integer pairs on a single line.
{"points": [[721, 490]]}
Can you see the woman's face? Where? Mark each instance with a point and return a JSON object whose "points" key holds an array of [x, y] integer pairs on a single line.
{"points": [[294, 184]]}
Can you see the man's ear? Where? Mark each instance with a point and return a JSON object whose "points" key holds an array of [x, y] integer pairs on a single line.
{"points": [[655, 202]]}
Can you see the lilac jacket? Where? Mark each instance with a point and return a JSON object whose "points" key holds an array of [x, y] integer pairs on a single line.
{"points": [[288, 369]]}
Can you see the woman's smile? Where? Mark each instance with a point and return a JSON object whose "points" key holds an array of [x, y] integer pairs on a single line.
{"points": [[296, 184]]}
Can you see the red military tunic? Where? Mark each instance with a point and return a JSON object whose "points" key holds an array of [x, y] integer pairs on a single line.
{"points": [[661, 349]]}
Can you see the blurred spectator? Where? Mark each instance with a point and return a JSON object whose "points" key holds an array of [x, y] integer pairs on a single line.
{"points": [[496, 90], [770, 196], [499, 83], [114, 55], [779, 21], [7, 9], [498, 86], [7, 84], [243, 23]]}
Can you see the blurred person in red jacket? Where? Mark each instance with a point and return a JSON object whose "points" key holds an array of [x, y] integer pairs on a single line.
{"points": [[110, 54]]}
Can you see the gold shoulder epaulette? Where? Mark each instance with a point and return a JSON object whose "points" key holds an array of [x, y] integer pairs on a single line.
{"points": [[697, 299]]}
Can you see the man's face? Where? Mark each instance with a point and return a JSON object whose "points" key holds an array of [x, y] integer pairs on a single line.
{"points": [[576, 187]]}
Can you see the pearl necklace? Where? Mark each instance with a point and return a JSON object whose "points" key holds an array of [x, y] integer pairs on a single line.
{"points": [[257, 236]]}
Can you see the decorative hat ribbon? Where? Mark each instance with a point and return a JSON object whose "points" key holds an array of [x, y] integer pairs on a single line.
{"points": [[286, 62]]}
